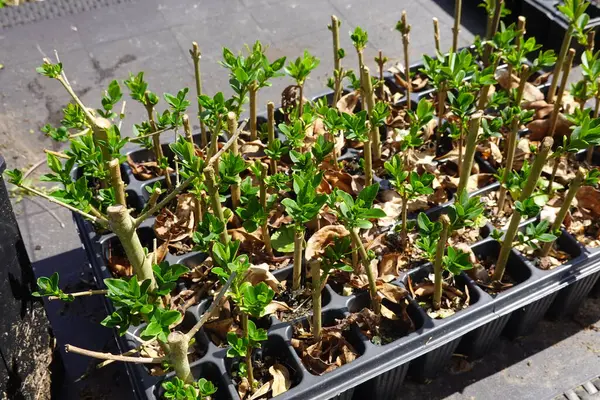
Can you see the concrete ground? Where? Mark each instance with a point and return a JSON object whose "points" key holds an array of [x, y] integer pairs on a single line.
{"points": [[108, 43]]}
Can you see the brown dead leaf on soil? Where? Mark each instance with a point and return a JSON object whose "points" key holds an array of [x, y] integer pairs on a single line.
{"points": [[331, 352], [281, 379], [588, 198], [178, 226], [531, 93]]}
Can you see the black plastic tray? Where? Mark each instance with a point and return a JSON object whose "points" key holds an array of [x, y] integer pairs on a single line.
{"points": [[378, 370], [549, 25]]}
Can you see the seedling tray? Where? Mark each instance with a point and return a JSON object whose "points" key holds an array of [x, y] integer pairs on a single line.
{"points": [[379, 369]]}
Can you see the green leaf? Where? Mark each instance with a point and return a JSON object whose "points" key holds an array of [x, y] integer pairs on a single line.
{"points": [[368, 194], [170, 317], [282, 240]]}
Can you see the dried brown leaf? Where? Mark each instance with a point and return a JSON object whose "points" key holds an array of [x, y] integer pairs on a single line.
{"points": [[324, 237], [281, 379], [348, 103]]}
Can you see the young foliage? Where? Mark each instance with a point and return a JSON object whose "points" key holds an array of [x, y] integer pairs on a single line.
{"points": [[466, 212], [356, 213], [166, 276], [536, 233], [359, 38], [355, 126], [455, 261], [241, 345], [49, 287], [308, 202], [207, 232], [177, 389], [302, 67]]}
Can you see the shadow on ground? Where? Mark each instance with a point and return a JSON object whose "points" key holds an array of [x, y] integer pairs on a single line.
{"points": [[78, 323], [561, 362]]}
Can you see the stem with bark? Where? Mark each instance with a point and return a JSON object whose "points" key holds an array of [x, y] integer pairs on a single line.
{"points": [[520, 33], [90, 292], [369, 97], [263, 202], [195, 53], [123, 225], [214, 138], [315, 269], [456, 28], [404, 234], [271, 132], [437, 265], [337, 64], [158, 153], [564, 209], [235, 188], [512, 141], [249, 366], [115, 357], [380, 62], [560, 62], [493, 30], [556, 111], [375, 304], [534, 175], [590, 150], [252, 91], [441, 99], [298, 256], [187, 129], [215, 200], [361, 63], [117, 182], [483, 94], [99, 125], [405, 43], [561, 90], [178, 345], [301, 100], [436, 34], [467, 163], [97, 219]]}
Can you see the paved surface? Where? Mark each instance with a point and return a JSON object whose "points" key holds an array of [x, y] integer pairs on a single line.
{"points": [[154, 36]]}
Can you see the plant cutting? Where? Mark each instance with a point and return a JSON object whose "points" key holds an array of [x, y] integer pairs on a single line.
{"points": [[404, 28], [534, 174], [446, 72], [250, 301], [376, 113], [409, 186], [355, 215], [585, 134], [135, 302], [299, 71], [357, 128], [516, 116], [574, 11], [359, 39], [445, 299], [303, 209], [248, 75], [196, 55], [582, 178], [338, 54]]}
